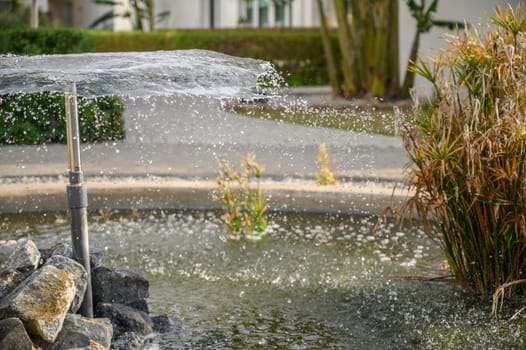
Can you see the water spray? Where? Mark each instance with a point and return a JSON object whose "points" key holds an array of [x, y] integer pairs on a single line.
{"points": [[77, 196]]}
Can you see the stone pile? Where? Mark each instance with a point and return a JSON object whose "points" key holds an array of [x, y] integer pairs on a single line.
{"points": [[41, 291]]}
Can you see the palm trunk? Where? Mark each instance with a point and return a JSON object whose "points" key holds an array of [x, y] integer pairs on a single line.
{"points": [[379, 67], [392, 55], [332, 69], [359, 36], [344, 36], [151, 17], [409, 78], [34, 14]]}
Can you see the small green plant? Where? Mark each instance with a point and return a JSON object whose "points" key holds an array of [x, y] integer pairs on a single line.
{"points": [[324, 176], [468, 151], [243, 202]]}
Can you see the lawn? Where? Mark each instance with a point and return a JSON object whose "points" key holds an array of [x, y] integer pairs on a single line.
{"points": [[371, 120]]}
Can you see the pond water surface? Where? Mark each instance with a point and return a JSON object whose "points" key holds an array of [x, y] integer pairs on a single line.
{"points": [[315, 282]]}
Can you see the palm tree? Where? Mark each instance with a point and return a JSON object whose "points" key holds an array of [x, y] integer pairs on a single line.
{"points": [[424, 22], [140, 10]]}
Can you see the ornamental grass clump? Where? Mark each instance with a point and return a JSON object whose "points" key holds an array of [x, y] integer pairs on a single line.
{"points": [[468, 153], [243, 202]]}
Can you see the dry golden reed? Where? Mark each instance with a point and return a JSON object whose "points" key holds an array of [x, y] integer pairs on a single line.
{"points": [[468, 153]]}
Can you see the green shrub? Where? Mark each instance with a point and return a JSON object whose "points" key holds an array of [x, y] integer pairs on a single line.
{"points": [[468, 152], [27, 41], [39, 118], [298, 55]]}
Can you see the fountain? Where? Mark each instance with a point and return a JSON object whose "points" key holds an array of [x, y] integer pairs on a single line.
{"points": [[323, 278]]}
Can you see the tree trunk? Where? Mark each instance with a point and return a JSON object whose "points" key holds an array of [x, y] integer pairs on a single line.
{"points": [[409, 78], [138, 15], [344, 37], [393, 80], [379, 60], [34, 14], [332, 69], [151, 15], [360, 12]]}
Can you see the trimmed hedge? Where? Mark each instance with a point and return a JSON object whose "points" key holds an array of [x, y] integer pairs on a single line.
{"points": [[27, 41], [38, 118], [298, 54]]}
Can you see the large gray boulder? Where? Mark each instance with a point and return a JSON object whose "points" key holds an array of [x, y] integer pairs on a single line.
{"points": [[76, 272], [9, 280], [65, 249], [6, 249], [25, 258], [125, 319], [41, 302], [119, 286], [83, 333], [13, 335]]}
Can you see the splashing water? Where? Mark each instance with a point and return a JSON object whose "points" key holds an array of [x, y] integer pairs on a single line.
{"points": [[316, 282], [139, 74]]}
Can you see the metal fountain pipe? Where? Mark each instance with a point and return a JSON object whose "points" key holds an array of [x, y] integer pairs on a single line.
{"points": [[77, 195]]}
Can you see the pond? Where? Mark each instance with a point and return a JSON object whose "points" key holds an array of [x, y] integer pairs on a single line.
{"points": [[315, 282]]}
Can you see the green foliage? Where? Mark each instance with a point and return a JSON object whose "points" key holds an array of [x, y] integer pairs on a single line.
{"points": [[242, 199], [285, 49], [39, 118], [26, 41], [469, 154]]}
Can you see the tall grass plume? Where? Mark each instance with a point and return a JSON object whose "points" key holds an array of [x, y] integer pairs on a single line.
{"points": [[468, 153]]}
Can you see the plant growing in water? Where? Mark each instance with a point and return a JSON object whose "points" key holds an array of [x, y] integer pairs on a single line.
{"points": [[243, 202], [325, 175], [468, 151]]}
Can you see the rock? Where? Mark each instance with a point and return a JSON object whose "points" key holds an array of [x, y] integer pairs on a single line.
{"points": [[76, 272], [13, 335], [162, 324], [25, 258], [118, 285], [41, 302], [9, 280], [83, 333], [64, 249], [6, 249], [128, 341], [141, 305], [125, 319]]}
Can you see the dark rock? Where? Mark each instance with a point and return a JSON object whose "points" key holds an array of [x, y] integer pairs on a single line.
{"points": [[76, 272], [13, 335], [162, 324], [83, 333], [125, 319], [118, 285], [41, 302], [6, 249], [9, 280], [64, 249], [141, 305], [128, 341], [25, 258]]}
